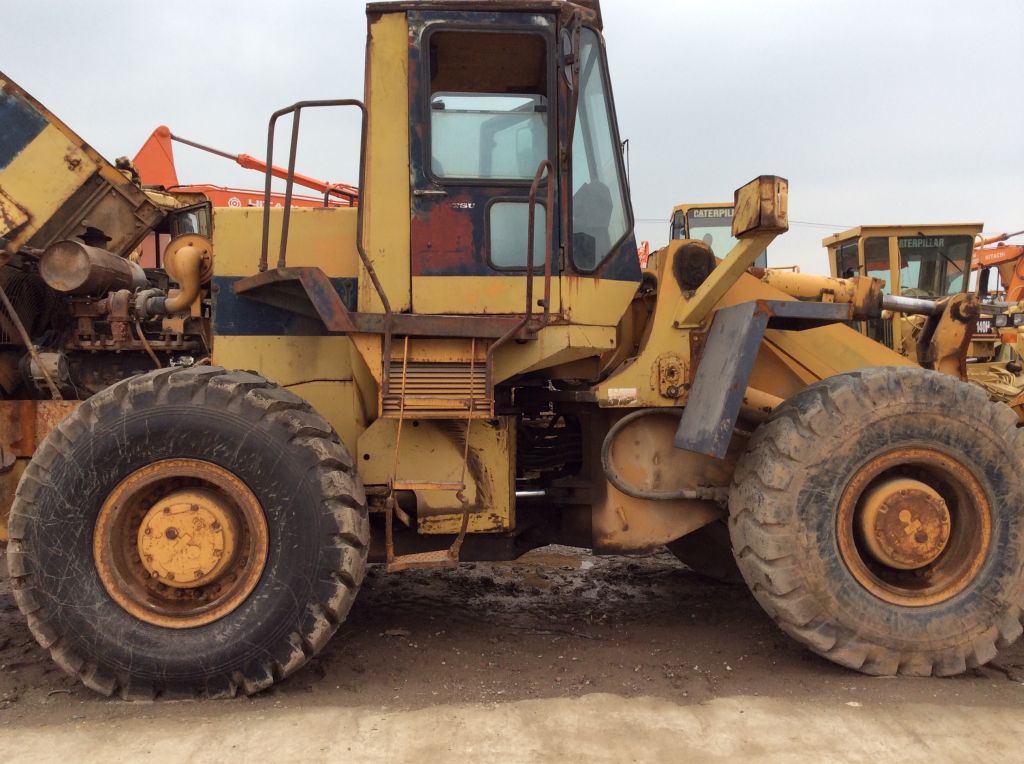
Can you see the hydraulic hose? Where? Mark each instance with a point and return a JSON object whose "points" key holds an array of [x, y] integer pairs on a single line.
{"points": [[718, 494]]}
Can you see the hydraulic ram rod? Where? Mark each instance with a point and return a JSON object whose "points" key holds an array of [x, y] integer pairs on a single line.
{"points": [[910, 305]]}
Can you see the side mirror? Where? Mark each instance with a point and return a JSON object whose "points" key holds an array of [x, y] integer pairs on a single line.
{"points": [[762, 206]]}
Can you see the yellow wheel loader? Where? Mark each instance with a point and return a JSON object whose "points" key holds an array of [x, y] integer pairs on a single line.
{"points": [[936, 262], [469, 364]]}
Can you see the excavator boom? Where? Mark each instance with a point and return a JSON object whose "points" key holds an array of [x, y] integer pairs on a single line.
{"points": [[155, 163]]}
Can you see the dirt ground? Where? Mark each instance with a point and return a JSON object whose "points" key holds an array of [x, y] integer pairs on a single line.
{"points": [[558, 655]]}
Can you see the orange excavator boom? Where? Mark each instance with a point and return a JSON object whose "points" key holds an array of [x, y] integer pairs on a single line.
{"points": [[155, 163], [1007, 259], [993, 250]]}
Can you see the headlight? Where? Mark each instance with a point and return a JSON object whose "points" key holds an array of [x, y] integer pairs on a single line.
{"points": [[1000, 320], [1018, 319]]}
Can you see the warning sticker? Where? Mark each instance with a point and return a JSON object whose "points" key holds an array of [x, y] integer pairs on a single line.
{"points": [[621, 396]]}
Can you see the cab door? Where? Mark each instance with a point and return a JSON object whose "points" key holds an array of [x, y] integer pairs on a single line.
{"points": [[483, 100]]}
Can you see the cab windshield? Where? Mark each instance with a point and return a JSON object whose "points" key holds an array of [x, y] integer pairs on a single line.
{"points": [[713, 226], [934, 266], [929, 266]]}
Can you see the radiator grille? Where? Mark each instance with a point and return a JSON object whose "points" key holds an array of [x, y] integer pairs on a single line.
{"points": [[32, 300], [440, 390]]}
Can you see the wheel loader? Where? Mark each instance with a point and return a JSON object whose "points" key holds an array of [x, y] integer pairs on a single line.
{"points": [[936, 261], [469, 364]]}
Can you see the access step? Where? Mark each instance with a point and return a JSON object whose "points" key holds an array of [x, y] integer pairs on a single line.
{"points": [[426, 485], [440, 559]]}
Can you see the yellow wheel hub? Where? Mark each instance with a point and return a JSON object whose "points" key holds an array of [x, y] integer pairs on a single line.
{"points": [[905, 523], [180, 543], [188, 538], [914, 526]]}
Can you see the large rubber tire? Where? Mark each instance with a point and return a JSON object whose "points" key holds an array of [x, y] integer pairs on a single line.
{"points": [[286, 454], [783, 520]]}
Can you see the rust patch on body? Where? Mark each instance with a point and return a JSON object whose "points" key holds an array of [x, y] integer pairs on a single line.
{"points": [[24, 424]]}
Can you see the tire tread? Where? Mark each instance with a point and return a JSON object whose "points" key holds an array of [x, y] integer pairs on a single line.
{"points": [[342, 507]]}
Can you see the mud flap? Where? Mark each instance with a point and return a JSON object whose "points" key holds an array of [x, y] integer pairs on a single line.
{"points": [[729, 355]]}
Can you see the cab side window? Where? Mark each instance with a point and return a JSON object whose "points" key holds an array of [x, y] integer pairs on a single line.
{"points": [[488, 106], [600, 214]]}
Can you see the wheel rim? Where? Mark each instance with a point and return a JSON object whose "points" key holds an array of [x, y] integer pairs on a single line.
{"points": [[180, 543], [914, 527]]}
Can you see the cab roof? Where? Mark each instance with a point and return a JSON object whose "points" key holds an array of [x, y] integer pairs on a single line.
{"points": [[701, 206], [522, 6], [927, 229]]}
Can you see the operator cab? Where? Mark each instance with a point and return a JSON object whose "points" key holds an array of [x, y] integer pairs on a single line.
{"points": [[924, 261], [480, 117], [710, 223], [496, 90]]}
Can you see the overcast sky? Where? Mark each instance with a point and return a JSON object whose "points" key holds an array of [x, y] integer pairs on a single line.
{"points": [[907, 111]]}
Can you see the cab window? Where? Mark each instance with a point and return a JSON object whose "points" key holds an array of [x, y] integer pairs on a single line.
{"points": [[678, 229], [934, 266], [847, 263], [713, 226], [876, 261], [489, 116], [600, 213], [482, 136], [191, 220]]}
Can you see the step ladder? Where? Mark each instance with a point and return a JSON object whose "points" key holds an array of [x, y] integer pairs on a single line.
{"points": [[459, 394]]}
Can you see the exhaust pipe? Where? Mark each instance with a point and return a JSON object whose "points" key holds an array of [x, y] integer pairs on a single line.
{"points": [[78, 269]]}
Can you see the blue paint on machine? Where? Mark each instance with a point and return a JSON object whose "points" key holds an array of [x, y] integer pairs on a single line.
{"points": [[20, 123], [237, 315]]}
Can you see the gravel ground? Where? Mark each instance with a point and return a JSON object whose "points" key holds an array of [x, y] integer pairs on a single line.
{"points": [[560, 653]]}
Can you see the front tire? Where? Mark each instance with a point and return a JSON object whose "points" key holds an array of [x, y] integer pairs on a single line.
{"points": [[192, 532], [877, 519]]}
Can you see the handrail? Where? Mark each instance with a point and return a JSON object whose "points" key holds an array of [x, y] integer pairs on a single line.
{"points": [[549, 228], [296, 109], [545, 172]]}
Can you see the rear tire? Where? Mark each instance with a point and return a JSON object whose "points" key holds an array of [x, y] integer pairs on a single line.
{"points": [[818, 559], [121, 633]]}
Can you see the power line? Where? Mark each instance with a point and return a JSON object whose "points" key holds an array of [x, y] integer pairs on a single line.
{"points": [[820, 225], [834, 226]]}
